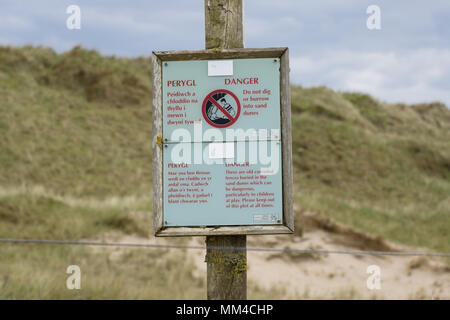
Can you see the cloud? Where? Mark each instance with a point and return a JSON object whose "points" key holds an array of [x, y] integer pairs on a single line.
{"points": [[260, 28], [407, 76], [121, 22], [15, 22], [329, 43], [338, 25]]}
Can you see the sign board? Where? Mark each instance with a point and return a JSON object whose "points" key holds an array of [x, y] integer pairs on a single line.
{"points": [[222, 142]]}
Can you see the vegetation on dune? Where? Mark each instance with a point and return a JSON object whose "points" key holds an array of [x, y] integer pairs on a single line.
{"points": [[75, 159], [383, 169], [75, 123]]}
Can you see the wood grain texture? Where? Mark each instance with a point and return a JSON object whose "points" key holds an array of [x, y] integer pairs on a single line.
{"points": [[218, 54], [231, 230], [224, 24], [157, 152], [286, 140], [227, 269]]}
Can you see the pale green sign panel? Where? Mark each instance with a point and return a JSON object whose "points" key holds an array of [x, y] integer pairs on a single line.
{"points": [[253, 93], [221, 129]]}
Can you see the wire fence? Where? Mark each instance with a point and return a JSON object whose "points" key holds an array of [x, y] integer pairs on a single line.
{"points": [[199, 247]]}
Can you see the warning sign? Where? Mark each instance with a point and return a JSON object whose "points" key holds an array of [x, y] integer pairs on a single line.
{"points": [[221, 108], [221, 128]]}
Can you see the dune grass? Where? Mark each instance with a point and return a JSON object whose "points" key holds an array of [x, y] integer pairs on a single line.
{"points": [[382, 169], [75, 164], [39, 272]]}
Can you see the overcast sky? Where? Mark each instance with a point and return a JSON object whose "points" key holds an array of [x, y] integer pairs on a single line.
{"points": [[408, 60]]}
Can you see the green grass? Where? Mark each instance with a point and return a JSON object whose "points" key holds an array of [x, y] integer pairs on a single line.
{"points": [[28, 214], [36, 271], [39, 272], [382, 169], [78, 124], [76, 164]]}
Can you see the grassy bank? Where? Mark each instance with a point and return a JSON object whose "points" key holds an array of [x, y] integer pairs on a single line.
{"points": [[75, 159]]}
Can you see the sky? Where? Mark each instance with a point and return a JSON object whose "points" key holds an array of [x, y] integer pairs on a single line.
{"points": [[407, 60]]}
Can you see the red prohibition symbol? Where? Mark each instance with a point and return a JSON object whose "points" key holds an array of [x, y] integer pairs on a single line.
{"points": [[221, 108]]}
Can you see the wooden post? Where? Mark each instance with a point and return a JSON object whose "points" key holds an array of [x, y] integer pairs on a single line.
{"points": [[226, 269], [224, 24]]}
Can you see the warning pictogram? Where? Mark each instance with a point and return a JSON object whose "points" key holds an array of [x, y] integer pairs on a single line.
{"points": [[221, 108]]}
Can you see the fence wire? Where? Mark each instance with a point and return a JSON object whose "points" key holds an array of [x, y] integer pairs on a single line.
{"points": [[169, 246]]}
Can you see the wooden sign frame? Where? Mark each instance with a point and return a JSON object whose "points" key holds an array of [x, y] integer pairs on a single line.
{"points": [[158, 58]]}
